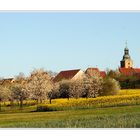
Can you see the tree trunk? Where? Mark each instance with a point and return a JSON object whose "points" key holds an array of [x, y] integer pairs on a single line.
{"points": [[37, 101], [18, 103], [21, 104], [50, 100], [41, 101], [94, 96], [0, 106]]}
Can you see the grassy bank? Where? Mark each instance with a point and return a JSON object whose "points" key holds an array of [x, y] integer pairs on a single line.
{"points": [[114, 117]]}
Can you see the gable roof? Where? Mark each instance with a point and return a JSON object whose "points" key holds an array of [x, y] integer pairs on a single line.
{"points": [[93, 69], [66, 75], [91, 72], [129, 71]]}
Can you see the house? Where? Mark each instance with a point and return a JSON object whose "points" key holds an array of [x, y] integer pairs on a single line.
{"points": [[6, 82], [69, 75], [93, 71]]}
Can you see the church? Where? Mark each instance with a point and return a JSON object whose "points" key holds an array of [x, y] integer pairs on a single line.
{"points": [[127, 65]]}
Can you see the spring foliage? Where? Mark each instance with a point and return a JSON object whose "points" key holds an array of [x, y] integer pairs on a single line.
{"points": [[39, 85], [110, 87], [19, 93]]}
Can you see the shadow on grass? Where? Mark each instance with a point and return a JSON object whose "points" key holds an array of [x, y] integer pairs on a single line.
{"points": [[137, 125]]}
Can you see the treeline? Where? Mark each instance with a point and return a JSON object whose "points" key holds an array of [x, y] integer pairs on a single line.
{"points": [[126, 82], [39, 86]]}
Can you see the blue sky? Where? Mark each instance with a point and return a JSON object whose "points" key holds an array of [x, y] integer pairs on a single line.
{"points": [[66, 40]]}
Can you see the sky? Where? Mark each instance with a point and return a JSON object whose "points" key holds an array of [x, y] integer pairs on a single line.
{"points": [[66, 40]]}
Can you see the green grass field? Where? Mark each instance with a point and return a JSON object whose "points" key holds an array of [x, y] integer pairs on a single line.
{"points": [[114, 115]]}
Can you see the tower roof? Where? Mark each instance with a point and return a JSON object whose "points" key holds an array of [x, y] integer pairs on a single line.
{"points": [[126, 61], [126, 48], [126, 52], [126, 56]]}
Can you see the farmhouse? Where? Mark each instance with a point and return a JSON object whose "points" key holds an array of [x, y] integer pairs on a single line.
{"points": [[93, 71], [126, 65], [78, 74], [69, 75]]}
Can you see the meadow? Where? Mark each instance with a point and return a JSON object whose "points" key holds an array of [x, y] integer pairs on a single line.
{"points": [[119, 111]]}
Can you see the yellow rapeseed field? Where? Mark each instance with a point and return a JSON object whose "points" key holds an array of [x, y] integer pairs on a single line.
{"points": [[124, 98], [129, 91]]}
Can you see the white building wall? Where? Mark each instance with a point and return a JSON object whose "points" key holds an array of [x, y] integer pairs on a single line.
{"points": [[79, 75]]}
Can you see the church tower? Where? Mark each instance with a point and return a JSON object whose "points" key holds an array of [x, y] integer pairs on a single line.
{"points": [[126, 62]]}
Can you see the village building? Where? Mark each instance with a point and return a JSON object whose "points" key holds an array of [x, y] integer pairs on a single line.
{"points": [[78, 74], [95, 71], [6, 82], [127, 66], [69, 75]]}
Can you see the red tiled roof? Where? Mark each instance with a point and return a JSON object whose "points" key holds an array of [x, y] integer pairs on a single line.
{"points": [[91, 72], [129, 71], [102, 73], [66, 75], [137, 70], [93, 69]]}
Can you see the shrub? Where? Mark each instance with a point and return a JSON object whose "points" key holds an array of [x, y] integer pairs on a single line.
{"points": [[43, 108], [110, 87]]}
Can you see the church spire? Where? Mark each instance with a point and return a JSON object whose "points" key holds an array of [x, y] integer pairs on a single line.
{"points": [[126, 61], [126, 52], [126, 44], [126, 48]]}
